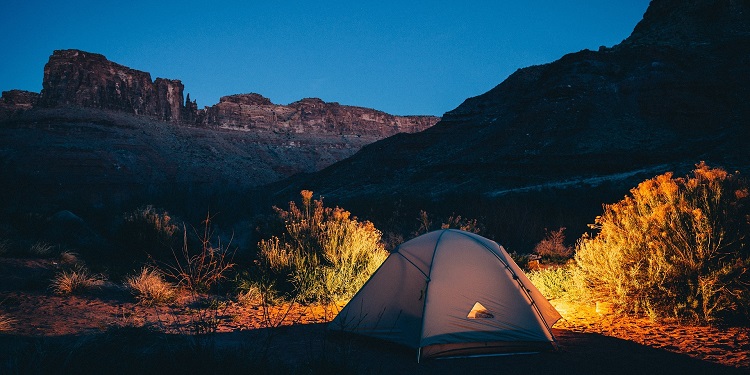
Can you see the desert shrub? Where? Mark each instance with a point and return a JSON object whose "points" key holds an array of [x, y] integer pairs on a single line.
{"points": [[675, 247], [561, 282], [76, 280], [323, 253], [200, 267], [552, 248], [148, 230], [453, 221], [149, 287], [457, 222]]}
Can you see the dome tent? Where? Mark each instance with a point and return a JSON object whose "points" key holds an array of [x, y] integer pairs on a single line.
{"points": [[451, 293]]}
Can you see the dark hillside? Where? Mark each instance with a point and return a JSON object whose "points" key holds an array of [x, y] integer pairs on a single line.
{"points": [[669, 96]]}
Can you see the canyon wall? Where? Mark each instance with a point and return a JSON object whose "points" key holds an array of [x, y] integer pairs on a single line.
{"points": [[89, 80]]}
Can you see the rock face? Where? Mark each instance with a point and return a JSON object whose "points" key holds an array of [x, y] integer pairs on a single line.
{"points": [[104, 143], [311, 116], [83, 79], [16, 101], [691, 23], [78, 78]]}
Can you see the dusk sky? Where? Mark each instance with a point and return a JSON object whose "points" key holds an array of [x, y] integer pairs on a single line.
{"points": [[401, 57]]}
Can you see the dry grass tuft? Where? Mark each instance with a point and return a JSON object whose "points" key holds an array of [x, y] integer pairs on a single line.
{"points": [[76, 280], [41, 249], [6, 322], [149, 287]]}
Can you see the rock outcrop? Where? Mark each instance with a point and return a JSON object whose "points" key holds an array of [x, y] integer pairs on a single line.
{"points": [[96, 138], [83, 79], [78, 78], [310, 116], [16, 101]]}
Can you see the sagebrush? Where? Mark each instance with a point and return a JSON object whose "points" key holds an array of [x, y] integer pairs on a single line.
{"points": [[323, 253], [675, 247]]}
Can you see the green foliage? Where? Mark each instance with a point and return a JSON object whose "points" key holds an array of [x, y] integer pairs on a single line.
{"points": [[323, 253], [676, 247], [562, 282]]}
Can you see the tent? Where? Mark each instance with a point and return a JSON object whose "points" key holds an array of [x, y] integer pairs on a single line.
{"points": [[451, 293]]}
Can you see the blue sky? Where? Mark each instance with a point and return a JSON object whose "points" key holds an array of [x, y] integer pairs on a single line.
{"points": [[402, 57]]}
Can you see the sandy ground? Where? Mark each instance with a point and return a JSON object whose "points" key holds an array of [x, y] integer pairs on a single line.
{"points": [[589, 342]]}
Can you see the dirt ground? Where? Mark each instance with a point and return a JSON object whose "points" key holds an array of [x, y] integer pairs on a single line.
{"points": [[588, 342]]}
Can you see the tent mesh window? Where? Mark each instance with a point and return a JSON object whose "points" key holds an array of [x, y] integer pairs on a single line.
{"points": [[479, 312]]}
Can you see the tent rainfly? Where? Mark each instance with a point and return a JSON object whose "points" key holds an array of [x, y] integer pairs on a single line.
{"points": [[451, 293]]}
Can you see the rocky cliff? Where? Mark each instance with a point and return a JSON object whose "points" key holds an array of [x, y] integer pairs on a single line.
{"points": [[89, 80], [78, 78], [96, 138], [16, 101], [311, 116]]}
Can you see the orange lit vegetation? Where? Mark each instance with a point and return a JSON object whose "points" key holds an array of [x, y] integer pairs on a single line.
{"points": [[675, 247], [149, 287], [323, 254], [76, 280]]}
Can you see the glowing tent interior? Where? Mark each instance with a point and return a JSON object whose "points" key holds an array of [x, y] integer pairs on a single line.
{"points": [[451, 293]]}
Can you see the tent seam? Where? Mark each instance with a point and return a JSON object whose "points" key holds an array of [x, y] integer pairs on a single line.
{"points": [[426, 290], [518, 281]]}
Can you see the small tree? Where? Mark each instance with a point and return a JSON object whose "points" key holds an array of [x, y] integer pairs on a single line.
{"points": [[674, 247], [323, 253]]}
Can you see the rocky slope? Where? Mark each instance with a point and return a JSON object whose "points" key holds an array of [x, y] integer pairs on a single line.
{"points": [[672, 94], [101, 135]]}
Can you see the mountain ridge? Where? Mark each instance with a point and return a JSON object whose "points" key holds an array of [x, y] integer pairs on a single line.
{"points": [[659, 101]]}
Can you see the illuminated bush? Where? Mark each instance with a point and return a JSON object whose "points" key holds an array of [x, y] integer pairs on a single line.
{"points": [[323, 253], [676, 247]]}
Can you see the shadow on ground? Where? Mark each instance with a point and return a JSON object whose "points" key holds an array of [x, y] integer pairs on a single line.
{"points": [[310, 349]]}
